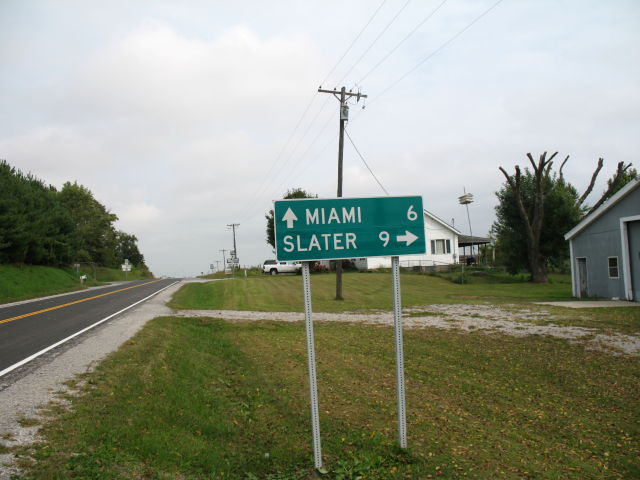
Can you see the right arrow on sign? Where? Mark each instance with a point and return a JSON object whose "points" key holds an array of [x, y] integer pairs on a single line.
{"points": [[407, 237]]}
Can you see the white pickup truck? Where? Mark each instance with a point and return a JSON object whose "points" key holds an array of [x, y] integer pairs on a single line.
{"points": [[273, 267]]}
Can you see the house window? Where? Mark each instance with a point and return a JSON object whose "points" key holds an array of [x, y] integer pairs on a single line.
{"points": [[440, 247], [613, 267]]}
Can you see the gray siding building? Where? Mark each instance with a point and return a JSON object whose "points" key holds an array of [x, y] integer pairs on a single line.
{"points": [[605, 248]]}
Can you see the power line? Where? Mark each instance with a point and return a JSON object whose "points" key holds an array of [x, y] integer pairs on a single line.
{"points": [[292, 171], [268, 176], [375, 40], [282, 150], [403, 40], [326, 101], [271, 173], [365, 162], [441, 47], [317, 156], [273, 181], [353, 42], [296, 172], [272, 176]]}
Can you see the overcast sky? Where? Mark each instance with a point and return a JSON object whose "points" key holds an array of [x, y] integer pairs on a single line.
{"points": [[181, 117]]}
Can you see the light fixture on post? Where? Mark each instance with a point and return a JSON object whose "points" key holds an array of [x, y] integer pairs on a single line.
{"points": [[465, 200]]}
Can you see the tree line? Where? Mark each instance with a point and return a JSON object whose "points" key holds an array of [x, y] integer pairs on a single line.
{"points": [[40, 225]]}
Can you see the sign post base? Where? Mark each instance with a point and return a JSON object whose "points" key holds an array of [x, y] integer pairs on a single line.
{"points": [[397, 323], [311, 354]]}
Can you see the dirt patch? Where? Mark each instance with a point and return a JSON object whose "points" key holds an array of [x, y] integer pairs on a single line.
{"points": [[514, 321]]}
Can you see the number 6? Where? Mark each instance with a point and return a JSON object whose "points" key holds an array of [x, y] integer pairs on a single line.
{"points": [[412, 214]]}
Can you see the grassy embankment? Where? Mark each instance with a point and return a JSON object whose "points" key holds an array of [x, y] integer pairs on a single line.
{"points": [[20, 282], [209, 399]]}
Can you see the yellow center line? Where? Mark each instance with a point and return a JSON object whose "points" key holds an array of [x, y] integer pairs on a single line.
{"points": [[7, 320]]}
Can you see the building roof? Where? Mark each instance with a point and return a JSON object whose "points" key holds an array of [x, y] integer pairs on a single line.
{"points": [[465, 240], [441, 222], [604, 208]]}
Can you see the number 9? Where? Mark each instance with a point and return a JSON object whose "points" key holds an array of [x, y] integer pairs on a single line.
{"points": [[384, 236]]}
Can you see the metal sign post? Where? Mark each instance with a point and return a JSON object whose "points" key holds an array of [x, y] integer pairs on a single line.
{"points": [[126, 267], [397, 324], [311, 355]]}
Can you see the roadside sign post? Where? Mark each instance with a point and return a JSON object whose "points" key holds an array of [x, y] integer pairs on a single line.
{"points": [[311, 360], [126, 267], [397, 325], [333, 229]]}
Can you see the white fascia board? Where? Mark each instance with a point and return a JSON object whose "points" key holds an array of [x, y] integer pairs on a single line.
{"points": [[602, 209], [626, 260], [441, 222]]}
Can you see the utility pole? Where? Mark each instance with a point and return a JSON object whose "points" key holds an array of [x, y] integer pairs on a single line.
{"points": [[235, 252], [343, 98], [217, 265], [223, 259]]}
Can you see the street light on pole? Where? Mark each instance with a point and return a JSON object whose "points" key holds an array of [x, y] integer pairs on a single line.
{"points": [[465, 200]]}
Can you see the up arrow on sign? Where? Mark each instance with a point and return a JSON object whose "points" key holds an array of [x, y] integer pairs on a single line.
{"points": [[289, 217]]}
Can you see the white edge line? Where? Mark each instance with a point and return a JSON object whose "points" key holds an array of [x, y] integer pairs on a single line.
{"points": [[50, 347]]}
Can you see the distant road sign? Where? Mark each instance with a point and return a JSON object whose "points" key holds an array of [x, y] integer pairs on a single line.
{"points": [[322, 229]]}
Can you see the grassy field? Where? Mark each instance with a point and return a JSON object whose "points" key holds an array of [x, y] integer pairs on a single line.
{"points": [[206, 399], [361, 291], [20, 282]]}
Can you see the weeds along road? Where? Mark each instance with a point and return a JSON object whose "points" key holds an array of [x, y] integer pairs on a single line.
{"points": [[30, 329]]}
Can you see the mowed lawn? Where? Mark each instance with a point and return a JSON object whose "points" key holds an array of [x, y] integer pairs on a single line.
{"points": [[208, 399], [361, 291]]}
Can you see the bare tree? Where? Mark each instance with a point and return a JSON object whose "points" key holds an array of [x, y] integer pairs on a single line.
{"points": [[533, 223], [619, 180], [534, 220]]}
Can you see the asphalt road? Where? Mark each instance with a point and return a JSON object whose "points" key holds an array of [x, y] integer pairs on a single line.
{"points": [[32, 328]]}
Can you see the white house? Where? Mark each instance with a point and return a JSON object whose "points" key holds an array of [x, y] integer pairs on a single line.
{"points": [[442, 248]]}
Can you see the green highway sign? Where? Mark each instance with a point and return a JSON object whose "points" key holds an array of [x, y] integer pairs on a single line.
{"points": [[323, 229]]}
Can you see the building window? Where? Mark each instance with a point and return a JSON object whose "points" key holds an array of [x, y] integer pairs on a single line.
{"points": [[440, 247], [613, 267]]}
